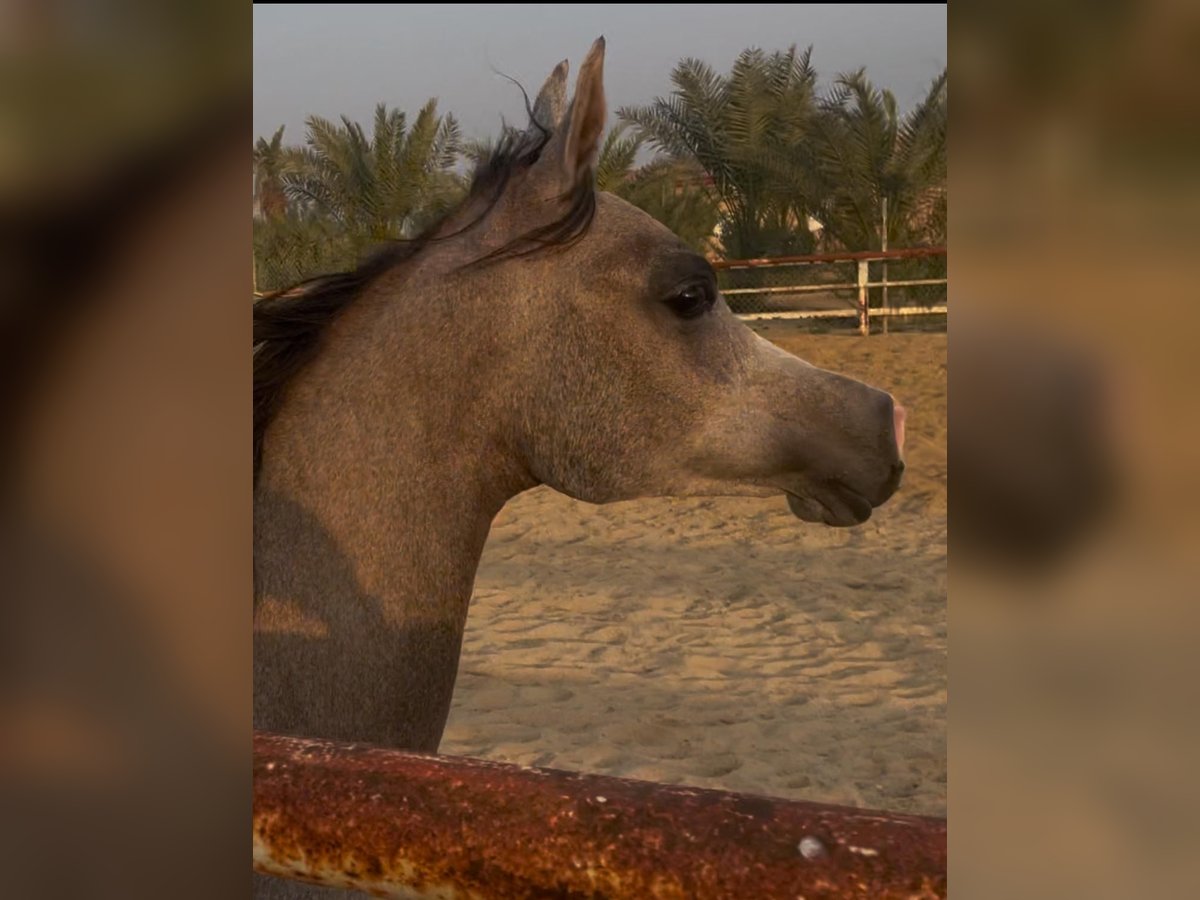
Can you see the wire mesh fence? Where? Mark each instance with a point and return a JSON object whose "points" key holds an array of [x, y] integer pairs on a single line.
{"points": [[902, 288]]}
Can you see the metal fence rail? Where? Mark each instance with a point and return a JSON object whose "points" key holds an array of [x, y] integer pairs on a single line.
{"points": [[401, 825], [911, 282]]}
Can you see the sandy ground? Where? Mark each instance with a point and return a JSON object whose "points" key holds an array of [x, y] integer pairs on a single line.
{"points": [[722, 642]]}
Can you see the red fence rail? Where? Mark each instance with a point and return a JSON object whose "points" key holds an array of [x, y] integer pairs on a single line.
{"points": [[400, 824], [902, 253]]}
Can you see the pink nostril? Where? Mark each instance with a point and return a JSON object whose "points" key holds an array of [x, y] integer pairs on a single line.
{"points": [[898, 415]]}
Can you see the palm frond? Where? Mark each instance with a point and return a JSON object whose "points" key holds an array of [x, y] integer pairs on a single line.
{"points": [[614, 166]]}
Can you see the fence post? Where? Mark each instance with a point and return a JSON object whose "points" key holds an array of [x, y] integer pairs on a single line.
{"points": [[864, 320], [883, 246]]}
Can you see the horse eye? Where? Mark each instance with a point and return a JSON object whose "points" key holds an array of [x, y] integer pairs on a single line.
{"points": [[692, 301]]}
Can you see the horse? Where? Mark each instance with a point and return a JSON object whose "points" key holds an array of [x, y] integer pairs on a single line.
{"points": [[541, 333]]}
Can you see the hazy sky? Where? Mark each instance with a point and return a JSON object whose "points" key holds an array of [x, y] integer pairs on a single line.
{"points": [[330, 60]]}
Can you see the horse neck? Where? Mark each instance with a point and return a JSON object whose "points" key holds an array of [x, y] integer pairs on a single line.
{"points": [[381, 475]]}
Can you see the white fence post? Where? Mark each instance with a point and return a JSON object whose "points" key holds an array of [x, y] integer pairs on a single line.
{"points": [[883, 247], [864, 320], [859, 308]]}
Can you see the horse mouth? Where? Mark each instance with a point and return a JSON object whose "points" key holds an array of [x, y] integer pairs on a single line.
{"points": [[831, 501], [832, 504]]}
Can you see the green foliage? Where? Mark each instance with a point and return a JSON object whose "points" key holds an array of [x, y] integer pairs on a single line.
{"points": [[674, 193], [776, 154], [268, 176], [615, 164], [387, 186], [671, 191], [324, 205], [867, 153], [291, 249], [750, 131], [743, 160]]}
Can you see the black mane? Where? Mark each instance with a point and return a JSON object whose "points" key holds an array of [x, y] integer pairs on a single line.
{"points": [[289, 324]]}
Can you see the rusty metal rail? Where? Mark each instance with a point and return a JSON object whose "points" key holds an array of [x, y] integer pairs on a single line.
{"points": [[399, 824], [855, 255]]}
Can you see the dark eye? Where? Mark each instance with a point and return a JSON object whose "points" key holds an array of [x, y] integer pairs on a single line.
{"points": [[692, 301]]}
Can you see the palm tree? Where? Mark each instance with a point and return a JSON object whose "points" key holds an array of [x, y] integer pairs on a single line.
{"points": [[291, 242], [269, 160], [675, 192], [750, 131], [294, 247], [388, 186], [868, 153], [671, 191], [615, 166]]}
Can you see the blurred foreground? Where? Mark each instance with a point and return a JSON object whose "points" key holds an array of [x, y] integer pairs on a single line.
{"points": [[1074, 222], [125, 700]]}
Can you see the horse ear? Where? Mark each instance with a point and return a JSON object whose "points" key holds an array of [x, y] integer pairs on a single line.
{"points": [[585, 121], [571, 154], [552, 99]]}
